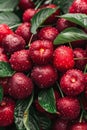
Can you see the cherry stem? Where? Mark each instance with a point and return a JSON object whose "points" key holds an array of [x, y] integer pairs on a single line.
{"points": [[62, 95], [81, 117], [85, 69], [38, 4], [15, 26], [70, 45], [30, 40], [85, 58]]}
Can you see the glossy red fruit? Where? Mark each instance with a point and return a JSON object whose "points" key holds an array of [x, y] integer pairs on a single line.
{"points": [[78, 6], [81, 55], [63, 24], [63, 58], [60, 124], [53, 18], [41, 52], [4, 84], [69, 108], [25, 4], [79, 126], [20, 60], [72, 82], [3, 57], [24, 31], [4, 30], [6, 112], [28, 14], [48, 33], [44, 76], [20, 86], [85, 81], [12, 43]]}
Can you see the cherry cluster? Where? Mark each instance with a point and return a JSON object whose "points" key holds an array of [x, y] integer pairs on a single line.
{"points": [[38, 64]]}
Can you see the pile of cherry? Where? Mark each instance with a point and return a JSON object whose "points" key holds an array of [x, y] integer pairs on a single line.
{"points": [[38, 64]]}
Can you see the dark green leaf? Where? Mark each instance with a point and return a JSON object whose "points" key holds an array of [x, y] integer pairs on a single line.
{"points": [[63, 4], [9, 18], [1, 93], [46, 99], [40, 17], [5, 69], [8, 5], [21, 113], [70, 35], [26, 114], [45, 122], [78, 18]]}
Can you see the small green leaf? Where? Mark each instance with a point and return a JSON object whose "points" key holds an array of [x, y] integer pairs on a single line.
{"points": [[5, 69], [46, 99], [78, 18], [40, 17], [70, 35], [1, 93], [8, 5], [9, 18]]}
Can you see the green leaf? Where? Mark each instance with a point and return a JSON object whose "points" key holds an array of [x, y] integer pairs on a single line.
{"points": [[40, 17], [63, 4], [9, 18], [26, 114], [45, 122], [46, 99], [21, 113], [8, 5], [1, 93], [5, 69], [78, 18], [70, 35]]}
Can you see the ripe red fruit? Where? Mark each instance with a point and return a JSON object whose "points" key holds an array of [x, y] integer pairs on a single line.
{"points": [[44, 76], [28, 14], [12, 43], [41, 52], [53, 17], [60, 124], [25, 4], [20, 60], [81, 54], [78, 6], [63, 58], [79, 126], [6, 111], [3, 57], [20, 86], [63, 24], [24, 31], [48, 33], [72, 82], [4, 30], [69, 108], [4, 84]]}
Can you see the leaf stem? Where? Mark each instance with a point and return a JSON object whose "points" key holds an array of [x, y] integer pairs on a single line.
{"points": [[62, 95]]}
